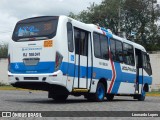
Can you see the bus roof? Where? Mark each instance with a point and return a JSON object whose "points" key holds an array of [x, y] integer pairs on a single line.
{"points": [[95, 28]]}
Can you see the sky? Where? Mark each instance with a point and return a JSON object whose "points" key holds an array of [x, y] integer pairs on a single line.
{"points": [[11, 11]]}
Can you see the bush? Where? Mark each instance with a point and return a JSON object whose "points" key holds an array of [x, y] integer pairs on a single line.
{"points": [[2, 84], [4, 51]]}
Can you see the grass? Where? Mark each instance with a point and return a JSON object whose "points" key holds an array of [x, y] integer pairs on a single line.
{"points": [[154, 93], [2, 84], [10, 87]]}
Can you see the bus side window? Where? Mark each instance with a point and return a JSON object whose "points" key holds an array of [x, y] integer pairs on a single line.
{"points": [[81, 41], [119, 51], [77, 40], [97, 48], [149, 65], [84, 43], [146, 64], [113, 49], [70, 37], [100, 46], [128, 53], [104, 47]]}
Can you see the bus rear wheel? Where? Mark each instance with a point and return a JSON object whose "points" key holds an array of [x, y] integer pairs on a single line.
{"points": [[60, 97]]}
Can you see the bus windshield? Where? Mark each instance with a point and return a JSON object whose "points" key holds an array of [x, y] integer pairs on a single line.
{"points": [[36, 27]]}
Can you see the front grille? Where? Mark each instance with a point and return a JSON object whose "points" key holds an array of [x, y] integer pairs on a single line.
{"points": [[31, 78], [31, 61]]}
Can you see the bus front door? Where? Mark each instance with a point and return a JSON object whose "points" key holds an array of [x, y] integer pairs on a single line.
{"points": [[81, 59]]}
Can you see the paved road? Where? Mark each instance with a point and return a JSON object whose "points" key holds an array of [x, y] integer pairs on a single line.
{"points": [[38, 101]]}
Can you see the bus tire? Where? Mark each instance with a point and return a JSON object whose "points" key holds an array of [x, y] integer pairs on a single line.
{"points": [[141, 97], [60, 97], [109, 97], [100, 93]]}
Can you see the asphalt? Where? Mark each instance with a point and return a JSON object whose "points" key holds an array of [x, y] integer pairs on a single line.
{"points": [[37, 101]]}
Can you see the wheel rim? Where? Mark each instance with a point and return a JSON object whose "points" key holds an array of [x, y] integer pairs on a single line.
{"points": [[100, 93]]}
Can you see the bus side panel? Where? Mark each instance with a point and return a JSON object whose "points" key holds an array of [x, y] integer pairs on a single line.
{"points": [[101, 69], [127, 85], [118, 78]]}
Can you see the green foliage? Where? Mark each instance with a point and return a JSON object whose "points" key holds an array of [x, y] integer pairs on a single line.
{"points": [[138, 16], [2, 84], [4, 51]]}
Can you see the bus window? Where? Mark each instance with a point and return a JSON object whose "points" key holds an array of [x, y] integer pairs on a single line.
{"points": [[97, 49], [84, 45], [116, 50], [128, 53], [77, 39], [119, 51], [113, 49], [146, 64], [100, 46], [104, 47], [35, 28], [81, 39], [70, 37]]}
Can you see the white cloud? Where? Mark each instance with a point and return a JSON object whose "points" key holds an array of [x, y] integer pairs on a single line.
{"points": [[7, 23], [12, 11]]}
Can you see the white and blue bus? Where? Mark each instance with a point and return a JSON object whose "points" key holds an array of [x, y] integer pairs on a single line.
{"points": [[66, 57]]}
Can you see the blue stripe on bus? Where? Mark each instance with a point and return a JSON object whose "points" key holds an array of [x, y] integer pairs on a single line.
{"points": [[146, 79], [73, 71], [41, 67], [48, 67]]}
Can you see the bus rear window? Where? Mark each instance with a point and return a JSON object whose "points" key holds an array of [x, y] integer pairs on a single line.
{"points": [[35, 27]]}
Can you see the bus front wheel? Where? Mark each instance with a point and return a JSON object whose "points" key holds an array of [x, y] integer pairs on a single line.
{"points": [[142, 96], [98, 96], [100, 93]]}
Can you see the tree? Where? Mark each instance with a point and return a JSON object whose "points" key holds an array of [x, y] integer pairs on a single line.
{"points": [[138, 16], [4, 51], [105, 14]]}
